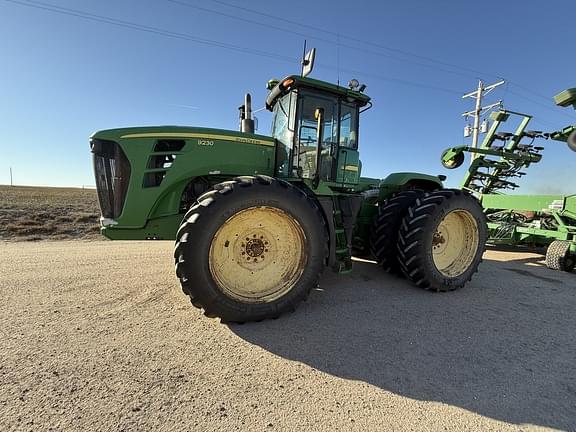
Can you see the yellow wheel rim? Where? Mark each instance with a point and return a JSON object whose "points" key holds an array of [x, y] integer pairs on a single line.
{"points": [[455, 243], [258, 255]]}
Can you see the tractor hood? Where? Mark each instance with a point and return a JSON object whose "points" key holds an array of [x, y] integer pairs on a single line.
{"points": [[142, 173]]}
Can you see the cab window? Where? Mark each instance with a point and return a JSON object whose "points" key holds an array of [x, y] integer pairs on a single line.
{"points": [[307, 129], [348, 126], [283, 132]]}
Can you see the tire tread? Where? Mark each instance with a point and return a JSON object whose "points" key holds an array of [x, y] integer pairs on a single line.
{"points": [[384, 230], [200, 297], [412, 234]]}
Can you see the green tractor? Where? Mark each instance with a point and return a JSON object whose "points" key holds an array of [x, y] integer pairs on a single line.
{"points": [[257, 218]]}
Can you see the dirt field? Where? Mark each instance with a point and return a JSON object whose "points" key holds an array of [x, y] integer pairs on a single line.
{"points": [[43, 213], [97, 336]]}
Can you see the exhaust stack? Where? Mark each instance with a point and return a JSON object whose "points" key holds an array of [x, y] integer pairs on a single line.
{"points": [[246, 120]]}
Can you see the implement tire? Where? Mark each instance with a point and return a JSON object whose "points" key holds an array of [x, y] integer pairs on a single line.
{"points": [[385, 227], [442, 239], [250, 249], [559, 257]]}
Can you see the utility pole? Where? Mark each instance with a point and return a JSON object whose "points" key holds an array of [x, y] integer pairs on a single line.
{"points": [[11, 184], [479, 94]]}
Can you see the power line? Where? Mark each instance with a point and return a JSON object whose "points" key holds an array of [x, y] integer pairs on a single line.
{"points": [[354, 39], [148, 29], [529, 90], [235, 17], [366, 42], [543, 122], [556, 110], [337, 43], [183, 36], [391, 79], [210, 42]]}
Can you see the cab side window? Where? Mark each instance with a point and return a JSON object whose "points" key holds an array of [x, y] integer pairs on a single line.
{"points": [[348, 126]]}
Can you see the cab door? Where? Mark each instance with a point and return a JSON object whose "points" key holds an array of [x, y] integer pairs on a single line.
{"points": [[348, 165], [306, 136]]}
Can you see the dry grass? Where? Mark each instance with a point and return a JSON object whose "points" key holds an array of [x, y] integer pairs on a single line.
{"points": [[46, 213]]}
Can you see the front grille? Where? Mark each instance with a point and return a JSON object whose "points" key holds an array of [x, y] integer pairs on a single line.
{"points": [[112, 172]]}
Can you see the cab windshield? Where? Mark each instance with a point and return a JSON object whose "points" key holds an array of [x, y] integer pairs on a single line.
{"points": [[283, 131], [340, 130], [295, 130]]}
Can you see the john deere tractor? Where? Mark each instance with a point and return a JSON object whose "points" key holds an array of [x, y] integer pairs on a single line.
{"points": [[257, 218]]}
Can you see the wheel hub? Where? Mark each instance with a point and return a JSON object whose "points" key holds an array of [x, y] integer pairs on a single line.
{"points": [[439, 240], [255, 247]]}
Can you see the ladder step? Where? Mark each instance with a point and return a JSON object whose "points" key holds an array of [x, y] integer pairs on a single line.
{"points": [[342, 251], [339, 231]]}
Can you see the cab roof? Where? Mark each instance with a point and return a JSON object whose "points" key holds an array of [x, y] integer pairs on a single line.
{"points": [[280, 88]]}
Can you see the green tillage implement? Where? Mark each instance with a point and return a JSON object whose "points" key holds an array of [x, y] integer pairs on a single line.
{"points": [[257, 218], [532, 220]]}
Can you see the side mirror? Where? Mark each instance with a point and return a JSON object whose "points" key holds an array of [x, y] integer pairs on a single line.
{"points": [[308, 62]]}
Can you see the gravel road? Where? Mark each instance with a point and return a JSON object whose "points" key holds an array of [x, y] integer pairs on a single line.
{"points": [[96, 336]]}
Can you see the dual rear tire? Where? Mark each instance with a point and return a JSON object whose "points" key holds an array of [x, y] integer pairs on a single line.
{"points": [[436, 239]]}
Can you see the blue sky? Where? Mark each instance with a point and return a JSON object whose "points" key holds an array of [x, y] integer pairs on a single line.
{"points": [[62, 77]]}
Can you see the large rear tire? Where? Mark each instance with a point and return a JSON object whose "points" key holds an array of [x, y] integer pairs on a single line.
{"points": [[251, 249], [559, 257], [442, 239], [384, 230]]}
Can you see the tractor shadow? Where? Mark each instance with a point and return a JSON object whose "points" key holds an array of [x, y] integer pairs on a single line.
{"points": [[503, 347]]}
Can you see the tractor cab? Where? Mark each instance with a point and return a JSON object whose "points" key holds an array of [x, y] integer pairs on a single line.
{"points": [[315, 129]]}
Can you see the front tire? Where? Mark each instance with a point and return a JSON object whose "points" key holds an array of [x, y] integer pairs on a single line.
{"points": [[442, 239], [251, 249]]}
